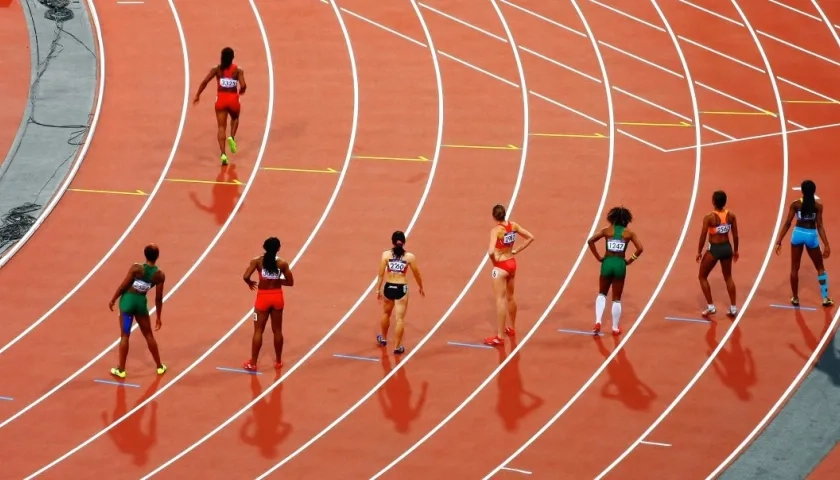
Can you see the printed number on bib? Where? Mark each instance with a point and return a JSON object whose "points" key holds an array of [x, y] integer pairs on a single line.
{"points": [[723, 229], [509, 238], [615, 245], [397, 266], [495, 273], [228, 83]]}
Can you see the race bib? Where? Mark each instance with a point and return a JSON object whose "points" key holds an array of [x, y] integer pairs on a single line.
{"points": [[723, 229], [616, 245], [397, 266], [228, 83], [509, 238], [141, 286]]}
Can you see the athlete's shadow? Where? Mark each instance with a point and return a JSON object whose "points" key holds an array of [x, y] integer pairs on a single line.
{"points": [[265, 429], [829, 361], [624, 385], [736, 368], [395, 397], [512, 405], [128, 436], [225, 196]]}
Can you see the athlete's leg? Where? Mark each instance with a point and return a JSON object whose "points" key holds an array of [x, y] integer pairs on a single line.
{"points": [[822, 276], [707, 263], [221, 132], [385, 321], [500, 290], [260, 320], [400, 307], [726, 269], [795, 262], [125, 334], [617, 290], [234, 127], [277, 329], [145, 325], [604, 283], [512, 308]]}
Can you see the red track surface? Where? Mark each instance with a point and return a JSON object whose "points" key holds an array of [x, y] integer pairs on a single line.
{"points": [[558, 198], [14, 43]]}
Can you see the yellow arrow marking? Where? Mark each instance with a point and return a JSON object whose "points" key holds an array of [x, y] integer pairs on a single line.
{"points": [[569, 135], [484, 147], [397, 159], [821, 102], [302, 170], [647, 124], [112, 192], [212, 182]]}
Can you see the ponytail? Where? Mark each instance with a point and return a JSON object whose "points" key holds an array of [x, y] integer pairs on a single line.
{"points": [[809, 201], [269, 261], [398, 240], [226, 60]]}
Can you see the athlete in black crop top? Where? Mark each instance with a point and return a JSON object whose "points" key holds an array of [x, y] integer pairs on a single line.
{"points": [[395, 263]]}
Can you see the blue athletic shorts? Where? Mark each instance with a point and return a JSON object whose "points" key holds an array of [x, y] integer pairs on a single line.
{"points": [[805, 236]]}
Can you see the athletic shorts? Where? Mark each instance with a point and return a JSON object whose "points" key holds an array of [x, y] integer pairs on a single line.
{"points": [[721, 251], [805, 236], [395, 291], [508, 266], [614, 267], [269, 300], [228, 101], [131, 304]]}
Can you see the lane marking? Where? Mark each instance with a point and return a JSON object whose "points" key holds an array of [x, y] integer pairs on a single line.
{"points": [[478, 69], [640, 59], [568, 108], [731, 112], [721, 54], [383, 27], [130, 2], [648, 124], [814, 17], [119, 384], [559, 64], [713, 13], [396, 159], [753, 137], [681, 319], [471, 345], [817, 102], [545, 19], [791, 307], [656, 444], [797, 47], [569, 135], [458, 20], [355, 357], [238, 370], [655, 27], [301, 170], [524, 472], [209, 182], [484, 147], [109, 192], [581, 332], [7, 399]]}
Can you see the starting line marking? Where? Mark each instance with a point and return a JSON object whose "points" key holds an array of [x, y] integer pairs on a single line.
{"points": [[8, 399], [648, 124], [119, 384], [302, 170], [397, 159], [569, 135], [211, 182], [112, 192], [472, 345], [238, 370], [581, 332], [484, 147], [355, 357], [656, 444], [526, 472], [680, 319], [716, 112], [791, 307]]}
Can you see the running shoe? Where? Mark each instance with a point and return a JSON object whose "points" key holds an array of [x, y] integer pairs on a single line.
{"points": [[224, 159], [494, 340], [117, 372], [231, 144], [733, 311], [399, 351], [794, 301], [250, 366], [709, 311], [278, 364], [616, 332], [510, 331], [161, 370], [381, 340], [596, 329], [827, 302]]}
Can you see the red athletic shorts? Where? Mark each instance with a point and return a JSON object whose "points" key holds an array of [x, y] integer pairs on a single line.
{"points": [[508, 265], [227, 101], [269, 300]]}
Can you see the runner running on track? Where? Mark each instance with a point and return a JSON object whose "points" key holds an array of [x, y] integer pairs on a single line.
{"points": [[228, 77], [613, 264], [395, 262], [274, 273], [807, 233], [502, 253], [718, 225], [132, 296]]}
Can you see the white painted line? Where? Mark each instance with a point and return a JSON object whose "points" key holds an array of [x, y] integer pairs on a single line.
{"points": [[97, 110], [383, 27], [566, 107], [736, 99], [713, 13], [755, 137], [654, 105], [721, 54], [654, 65], [796, 47], [545, 19], [814, 17], [462, 22], [656, 444], [467, 64], [130, 3], [812, 92], [649, 144], [762, 271], [562, 65], [625, 14], [524, 472]]}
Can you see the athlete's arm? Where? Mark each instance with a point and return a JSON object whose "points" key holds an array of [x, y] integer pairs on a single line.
{"points": [[735, 238], [212, 73], [491, 250], [126, 283], [242, 85], [289, 278], [415, 270], [526, 234], [821, 230], [639, 248], [383, 261], [159, 300], [785, 228], [591, 242], [703, 232], [252, 267]]}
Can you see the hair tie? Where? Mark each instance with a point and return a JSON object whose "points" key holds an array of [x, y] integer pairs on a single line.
{"points": [[399, 242]]}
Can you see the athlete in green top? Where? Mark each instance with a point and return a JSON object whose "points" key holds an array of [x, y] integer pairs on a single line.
{"points": [[132, 296], [613, 263]]}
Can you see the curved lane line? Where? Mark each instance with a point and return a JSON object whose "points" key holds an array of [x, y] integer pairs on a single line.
{"points": [[566, 282], [829, 333], [689, 212], [470, 282], [85, 146], [367, 291], [767, 256], [143, 209]]}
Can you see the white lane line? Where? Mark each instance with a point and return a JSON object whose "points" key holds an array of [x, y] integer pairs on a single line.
{"points": [[516, 470], [755, 137], [383, 27], [721, 54], [812, 92], [656, 444], [797, 47], [764, 265], [640, 59], [543, 18], [559, 64], [467, 64], [625, 14], [570, 109], [672, 261], [100, 94], [713, 13], [458, 20], [814, 17]]}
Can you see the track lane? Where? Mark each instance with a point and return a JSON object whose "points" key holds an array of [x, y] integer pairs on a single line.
{"points": [[15, 84]]}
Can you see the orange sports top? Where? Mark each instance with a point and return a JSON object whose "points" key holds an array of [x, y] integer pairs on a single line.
{"points": [[723, 227], [509, 237]]}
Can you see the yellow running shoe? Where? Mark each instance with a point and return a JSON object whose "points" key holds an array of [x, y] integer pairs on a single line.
{"points": [[232, 144], [117, 372], [161, 370], [224, 159]]}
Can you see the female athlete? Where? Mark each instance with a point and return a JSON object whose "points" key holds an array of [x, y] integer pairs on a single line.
{"points": [[395, 263], [132, 296], [502, 253], [807, 233], [718, 225], [274, 273], [614, 264], [228, 77]]}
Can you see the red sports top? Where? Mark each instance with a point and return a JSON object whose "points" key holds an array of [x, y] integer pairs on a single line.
{"points": [[227, 81], [509, 237]]}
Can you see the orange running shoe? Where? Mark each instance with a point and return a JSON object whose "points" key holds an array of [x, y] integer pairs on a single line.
{"points": [[596, 329], [510, 331], [616, 332], [278, 364], [495, 340], [250, 366]]}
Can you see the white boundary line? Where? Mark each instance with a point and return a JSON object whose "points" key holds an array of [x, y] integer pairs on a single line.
{"points": [[85, 146], [468, 286], [754, 137], [662, 280], [246, 189], [137, 217], [595, 221], [367, 291], [806, 367], [767, 256]]}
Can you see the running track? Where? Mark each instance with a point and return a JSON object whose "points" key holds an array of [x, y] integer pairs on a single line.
{"points": [[558, 111]]}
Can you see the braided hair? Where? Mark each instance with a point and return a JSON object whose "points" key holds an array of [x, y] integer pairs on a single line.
{"points": [[809, 201], [619, 216], [269, 261]]}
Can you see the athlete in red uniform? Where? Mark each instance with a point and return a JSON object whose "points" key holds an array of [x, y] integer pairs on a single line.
{"points": [[501, 253], [274, 273], [230, 84]]}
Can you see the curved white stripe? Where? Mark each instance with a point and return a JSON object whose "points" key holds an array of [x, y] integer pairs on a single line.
{"points": [[468, 286], [367, 291], [85, 146], [806, 367], [140, 213], [563, 287], [767, 256], [668, 269], [245, 190]]}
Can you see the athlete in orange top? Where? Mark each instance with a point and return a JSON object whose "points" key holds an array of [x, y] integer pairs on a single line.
{"points": [[501, 253], [274, 273], [718, 225], [230, 84]]}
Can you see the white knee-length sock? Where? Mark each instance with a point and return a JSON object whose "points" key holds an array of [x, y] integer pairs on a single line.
{"points": [[600, 305], [616, 314]]}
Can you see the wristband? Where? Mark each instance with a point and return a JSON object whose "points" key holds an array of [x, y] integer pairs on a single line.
{"points": [[634, 257]]}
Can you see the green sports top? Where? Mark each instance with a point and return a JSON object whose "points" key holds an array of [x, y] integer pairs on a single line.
{"points": [[144, 283], [617, 243]]}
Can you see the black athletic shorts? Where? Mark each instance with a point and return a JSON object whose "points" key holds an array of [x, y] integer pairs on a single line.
{"points": [[395, 291], [721, 251]]}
